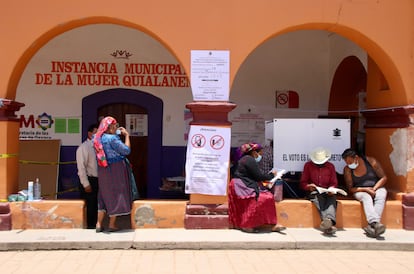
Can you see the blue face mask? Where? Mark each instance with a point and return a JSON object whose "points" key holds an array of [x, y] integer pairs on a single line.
{"points": [[259, 158]]}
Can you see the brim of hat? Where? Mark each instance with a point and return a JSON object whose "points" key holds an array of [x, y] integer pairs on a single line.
{"points": [[320, 162]]}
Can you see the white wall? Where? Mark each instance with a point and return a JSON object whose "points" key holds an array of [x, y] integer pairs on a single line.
{"points": [[303, 61]]}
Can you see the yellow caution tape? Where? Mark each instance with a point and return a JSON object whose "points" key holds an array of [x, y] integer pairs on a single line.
{"points": [[73, 189], [46, 163], [8, 155], [11, 155]]}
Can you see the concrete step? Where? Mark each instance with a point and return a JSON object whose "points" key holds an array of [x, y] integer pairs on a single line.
{"points": [[207, 209], [206, 216], [206, 221]]}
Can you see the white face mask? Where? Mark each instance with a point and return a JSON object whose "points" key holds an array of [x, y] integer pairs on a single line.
{"points": [[259, 158], [353, 165]]}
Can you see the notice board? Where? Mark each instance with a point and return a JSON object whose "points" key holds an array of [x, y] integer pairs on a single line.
{"points": [[40, 159]]}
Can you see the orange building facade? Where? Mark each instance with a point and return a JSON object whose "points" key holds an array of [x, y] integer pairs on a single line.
{"points": [[384, 29]]}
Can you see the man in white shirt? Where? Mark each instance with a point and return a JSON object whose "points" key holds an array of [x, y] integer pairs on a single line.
{"points": [[88, 175]]}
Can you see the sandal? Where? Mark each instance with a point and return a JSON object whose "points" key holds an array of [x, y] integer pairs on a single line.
{"points": [[278, 228], [249, 230]]}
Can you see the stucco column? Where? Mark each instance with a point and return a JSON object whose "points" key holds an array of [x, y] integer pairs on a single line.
{"points": [[390, 139], [9, 147], [209, 114]]}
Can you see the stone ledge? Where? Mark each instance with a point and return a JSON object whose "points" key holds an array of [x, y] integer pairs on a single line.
{"points": [[48, 214], [350, 214], [158, 214], [292, 213]]}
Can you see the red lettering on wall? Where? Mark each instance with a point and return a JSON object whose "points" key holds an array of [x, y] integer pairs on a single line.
{"points": [[43, 79], [27, 123], [67, 73]]}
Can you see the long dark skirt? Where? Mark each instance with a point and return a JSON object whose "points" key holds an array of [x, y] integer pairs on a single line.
{"points": [[114, 195], [247, 212]]}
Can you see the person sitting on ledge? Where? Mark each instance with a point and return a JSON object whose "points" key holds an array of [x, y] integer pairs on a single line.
{"points": [[365, 178], [318, 172], [252, 206]]}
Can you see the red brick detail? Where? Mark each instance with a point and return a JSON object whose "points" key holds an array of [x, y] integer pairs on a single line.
{"points": [[207, 209], [408, 199], [5, 217], [408, 217], [8, 109], [206, 222]]}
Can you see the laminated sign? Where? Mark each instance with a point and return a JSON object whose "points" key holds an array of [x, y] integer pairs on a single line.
{"points": [[208, 156]]}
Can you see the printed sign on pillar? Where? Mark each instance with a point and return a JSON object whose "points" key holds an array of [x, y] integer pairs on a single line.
{"points": [[287, 99], [208, 157]]}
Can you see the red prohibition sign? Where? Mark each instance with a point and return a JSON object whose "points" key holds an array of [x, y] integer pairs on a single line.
{"points": [[198, 141], [282, 98], [217, 142]]}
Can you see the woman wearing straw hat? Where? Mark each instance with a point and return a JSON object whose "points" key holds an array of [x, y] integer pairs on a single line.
{"points": [[318, 172]]}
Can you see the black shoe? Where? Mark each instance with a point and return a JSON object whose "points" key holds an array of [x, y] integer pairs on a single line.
{"points": [[378, 228], [370, 231], [330, 231], [99, 229]]}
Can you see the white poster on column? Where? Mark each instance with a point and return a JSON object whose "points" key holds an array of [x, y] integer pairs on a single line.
{"points": [[294, 139], [208, 156], [210, 75]]}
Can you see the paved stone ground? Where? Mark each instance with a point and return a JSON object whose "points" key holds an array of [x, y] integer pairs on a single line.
{"points": [[204, 251], [196, 239], [206, 261]]}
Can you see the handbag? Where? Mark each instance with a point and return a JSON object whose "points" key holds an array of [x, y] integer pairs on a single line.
{"points": [[134, 189]]}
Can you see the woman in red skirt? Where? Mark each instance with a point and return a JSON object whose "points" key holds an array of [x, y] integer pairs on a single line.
{"points": [[251, 206]]}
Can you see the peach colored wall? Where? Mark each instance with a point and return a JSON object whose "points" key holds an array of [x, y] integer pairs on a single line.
{"points": [[378, 146], [9, 145], [239, 26]]}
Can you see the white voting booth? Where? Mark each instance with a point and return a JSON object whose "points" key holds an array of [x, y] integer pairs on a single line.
{"points": [[293, 139]]}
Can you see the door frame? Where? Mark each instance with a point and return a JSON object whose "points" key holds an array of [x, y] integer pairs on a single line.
{"points": [[154, 107]]}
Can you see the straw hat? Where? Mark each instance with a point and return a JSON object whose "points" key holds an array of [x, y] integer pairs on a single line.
{"points": [[320, 155]]}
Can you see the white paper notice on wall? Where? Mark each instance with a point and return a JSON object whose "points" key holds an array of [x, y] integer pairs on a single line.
{"points": [[294, 139], [210, 75], [208, 156]]}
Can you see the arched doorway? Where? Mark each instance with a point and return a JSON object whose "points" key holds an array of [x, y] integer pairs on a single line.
{"points": [[347, 97], [92, 104]]}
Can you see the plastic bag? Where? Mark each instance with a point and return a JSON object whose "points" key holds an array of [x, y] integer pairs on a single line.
{"points": [[278, 190]]}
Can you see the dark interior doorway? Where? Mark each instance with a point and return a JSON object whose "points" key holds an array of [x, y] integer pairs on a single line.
{"points": [[118, 102], [139, 144], [347, 98]]}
